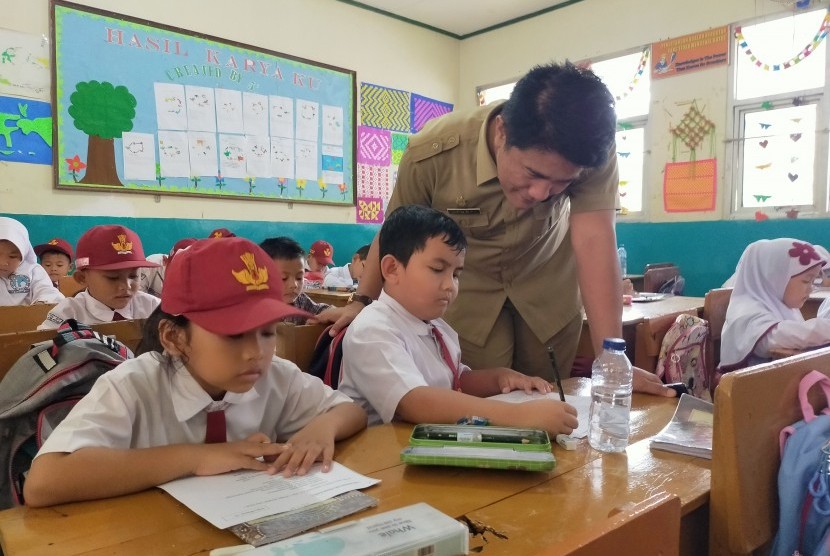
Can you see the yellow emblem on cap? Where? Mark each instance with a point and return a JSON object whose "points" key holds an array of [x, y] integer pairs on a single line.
{"points": [[53, 242], [123, 246], [252, 276]]}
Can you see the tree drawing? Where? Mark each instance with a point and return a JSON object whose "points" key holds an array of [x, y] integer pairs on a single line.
{"points": [[103, 112]]}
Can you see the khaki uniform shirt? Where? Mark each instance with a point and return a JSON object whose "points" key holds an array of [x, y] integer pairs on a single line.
{"points": [[524, 256]]}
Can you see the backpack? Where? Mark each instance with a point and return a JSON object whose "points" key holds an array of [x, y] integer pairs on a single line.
{"points": [[674, 286], [683, 356], [327, 358], [804, 478], [39, 391]]}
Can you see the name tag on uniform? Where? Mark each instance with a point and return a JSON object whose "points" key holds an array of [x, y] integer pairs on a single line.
{"points": [[463, 211]]}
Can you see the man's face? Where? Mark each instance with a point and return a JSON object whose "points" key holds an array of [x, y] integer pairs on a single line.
{"points": [[530, 176]]}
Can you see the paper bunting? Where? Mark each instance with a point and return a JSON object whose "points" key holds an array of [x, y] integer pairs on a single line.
{"points": [[792, 176], [820, 35], [765, 126], [760, 216], [762, 198], [792, 214], [374, 146], [764, 166], [384, 108], [763, 143], [636, 79], [424, 109], [767, 105], [795, 136]]}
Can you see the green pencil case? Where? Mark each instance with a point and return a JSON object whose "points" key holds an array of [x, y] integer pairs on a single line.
{"points": [[484, 447]]}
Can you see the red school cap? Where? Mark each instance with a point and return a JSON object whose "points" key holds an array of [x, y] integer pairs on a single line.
{"points": [[322, 251], [110, 248], [182, 244], [226, 287], [55, 244], [221, 232]]}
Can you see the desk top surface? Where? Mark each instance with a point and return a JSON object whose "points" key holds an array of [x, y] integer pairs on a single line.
{"points": [[534, 509]]}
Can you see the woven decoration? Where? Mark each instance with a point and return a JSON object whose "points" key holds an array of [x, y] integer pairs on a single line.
{"points": [[693, 128]]}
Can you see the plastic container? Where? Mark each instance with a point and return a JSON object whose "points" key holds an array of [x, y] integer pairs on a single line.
{"points": [[611, 385], [622, 255]]}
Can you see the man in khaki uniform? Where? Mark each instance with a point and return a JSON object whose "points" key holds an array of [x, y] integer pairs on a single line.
{"points": [[533, 183]]}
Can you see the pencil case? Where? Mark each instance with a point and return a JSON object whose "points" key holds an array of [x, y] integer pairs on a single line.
{"points": [[484, 447]]}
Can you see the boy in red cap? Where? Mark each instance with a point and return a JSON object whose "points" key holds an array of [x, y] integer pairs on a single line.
{"points": [[206, 396], [152, 279], [221, 232], [22, 280], [319, 257], [56, 258], [107, 264]]}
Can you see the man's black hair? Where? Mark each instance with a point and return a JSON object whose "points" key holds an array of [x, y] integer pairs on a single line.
{"points": [[408, 228], [565, 109], [363, 252], [282, 247]]}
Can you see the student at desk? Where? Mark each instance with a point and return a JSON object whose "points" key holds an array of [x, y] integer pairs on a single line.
{"points": [[208, 356], [402, 361], [22, 280], [773, 280]]}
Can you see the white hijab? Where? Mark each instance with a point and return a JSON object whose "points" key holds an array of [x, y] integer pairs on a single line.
{"points": [[14, 231], [757, 305]]}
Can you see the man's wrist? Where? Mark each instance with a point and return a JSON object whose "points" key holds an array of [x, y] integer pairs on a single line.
{"points": [[360, 298]]}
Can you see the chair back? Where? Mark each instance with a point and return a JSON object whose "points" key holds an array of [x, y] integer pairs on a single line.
{"points": [[297, 342], [69, 286], [714, 310], [653, 278], [649, 266], [649, 336], [751, 407], [650, 527], [20, 318]]}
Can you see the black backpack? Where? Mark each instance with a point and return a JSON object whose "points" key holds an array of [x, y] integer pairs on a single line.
{"points": [[327, 357]]}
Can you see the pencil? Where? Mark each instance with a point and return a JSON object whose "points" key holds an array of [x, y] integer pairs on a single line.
{"points": [[556, 376]]}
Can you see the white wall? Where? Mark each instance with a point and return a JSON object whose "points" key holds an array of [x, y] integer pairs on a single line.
{"points": [[380, 49], [599, 28]]}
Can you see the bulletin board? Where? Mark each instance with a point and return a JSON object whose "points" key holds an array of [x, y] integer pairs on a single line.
{"points": [[147, 108]]}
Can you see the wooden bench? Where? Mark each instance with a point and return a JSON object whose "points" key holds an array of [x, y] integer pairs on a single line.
{"points": [[715, 304], [296, 342], [20, 318], [649, 336], [650, 527], [751, 408]]}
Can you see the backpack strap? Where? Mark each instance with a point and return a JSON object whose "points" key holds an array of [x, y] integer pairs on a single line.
{"points": [[811, 379], [72, 330], [335, 359]]}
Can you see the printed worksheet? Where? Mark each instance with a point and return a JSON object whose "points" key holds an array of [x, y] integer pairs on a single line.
{"points": [[255, 114], [282, 157], [306, 160], [308, 120], [201, 108], [171, 112], [332, 125], [332, 163], [233, 153], [229, 111], [259, 156], [581, 403], [139, 151], [203, 153], [281, 114], [173, 154]]}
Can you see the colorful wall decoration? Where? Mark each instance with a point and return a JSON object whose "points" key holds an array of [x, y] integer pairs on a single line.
{"points": [[388, 117], [25, 131], [24, 65], [694, 52], [147, 108], [691, 186]]}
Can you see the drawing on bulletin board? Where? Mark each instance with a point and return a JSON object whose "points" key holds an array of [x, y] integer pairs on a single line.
{"points": [[147, 108]]}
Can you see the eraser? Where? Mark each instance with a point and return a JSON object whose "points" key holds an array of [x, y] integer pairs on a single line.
{"points": [[567, 442]]}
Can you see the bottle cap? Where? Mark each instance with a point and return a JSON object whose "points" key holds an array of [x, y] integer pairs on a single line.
{"points": [[614, 343]]}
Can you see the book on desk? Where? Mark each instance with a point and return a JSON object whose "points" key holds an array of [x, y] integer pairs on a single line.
{"points": [[690, 430]]}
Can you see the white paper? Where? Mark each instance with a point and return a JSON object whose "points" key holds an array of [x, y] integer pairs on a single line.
{"points": [[173, 154], [203, 153], [171, 111], [201, 108], [232, 498], [24, 65], [282, 157], [581, 403], [332, 125], [306, 160], [229, 111], [331, 175], [282, 117], [259, 156], [139, 151], [233, 153], [308, 118], [255, 114]]}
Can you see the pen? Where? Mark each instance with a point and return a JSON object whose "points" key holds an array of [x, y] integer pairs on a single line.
{"points": [[477, 437], [556, 376]]}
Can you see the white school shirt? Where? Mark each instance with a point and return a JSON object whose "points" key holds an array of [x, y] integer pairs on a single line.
{"points": [[145, 402], [28, 285], [387, 351], [88, 310], [338, 277], [151, 279]]}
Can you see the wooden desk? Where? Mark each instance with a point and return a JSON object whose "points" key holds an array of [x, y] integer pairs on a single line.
{"points": [[23, 318], [582, 489], [338, 299], [636, 313], [810, 308]]}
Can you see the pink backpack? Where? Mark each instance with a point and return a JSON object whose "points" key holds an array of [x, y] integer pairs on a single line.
{"points": [[683, 356]]}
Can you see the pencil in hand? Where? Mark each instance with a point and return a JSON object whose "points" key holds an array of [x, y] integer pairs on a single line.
{"points": [[556, 376]]}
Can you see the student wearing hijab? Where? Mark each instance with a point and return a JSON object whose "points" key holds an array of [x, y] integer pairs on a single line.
{"points": [[773, 280], [22, 280]]}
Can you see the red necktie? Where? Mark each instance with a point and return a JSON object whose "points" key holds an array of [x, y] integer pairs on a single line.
{"points": [[445, 355], [215, 432], [116, 316]]}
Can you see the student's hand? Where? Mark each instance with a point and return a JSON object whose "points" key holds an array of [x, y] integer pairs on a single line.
{"points": [[332, 314], [650, 383], [231, 456], [510, 380], [313, 442], [350, 311], [552, 416]]}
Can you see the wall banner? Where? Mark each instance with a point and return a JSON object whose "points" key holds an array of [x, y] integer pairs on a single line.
{"points": [[689, 53]]}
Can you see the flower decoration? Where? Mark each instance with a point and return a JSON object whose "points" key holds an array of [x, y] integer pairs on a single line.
{"points": [[220, 181], [300, 186], [804, 252], [75, 165], [251, 186], [343, 188], [281, 185], [324, 187]]}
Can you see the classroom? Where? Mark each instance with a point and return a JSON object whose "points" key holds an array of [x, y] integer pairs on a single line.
{"points": [[695, 190]]}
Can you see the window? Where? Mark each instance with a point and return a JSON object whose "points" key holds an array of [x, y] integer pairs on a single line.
{"points": [[489, 95], [780, 154]]}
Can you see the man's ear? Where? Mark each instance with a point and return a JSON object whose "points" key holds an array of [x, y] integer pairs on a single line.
{"points": [[390, 269], [80, 277]]}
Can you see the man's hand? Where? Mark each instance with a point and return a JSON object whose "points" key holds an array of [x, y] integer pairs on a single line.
{"points": [[650, 383]]}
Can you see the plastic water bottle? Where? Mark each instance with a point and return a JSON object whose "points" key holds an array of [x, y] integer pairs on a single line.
{"points": [[623, 256], [611, 384]]}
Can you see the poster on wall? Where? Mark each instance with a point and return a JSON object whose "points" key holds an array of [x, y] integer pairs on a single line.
{"points": [[689, 53], [147, 108], [24, 65]]}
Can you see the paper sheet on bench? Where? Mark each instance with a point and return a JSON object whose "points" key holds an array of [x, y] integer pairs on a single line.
{"points": [[581, 403], [230, 499]]}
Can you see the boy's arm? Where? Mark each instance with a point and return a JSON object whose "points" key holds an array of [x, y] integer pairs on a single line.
{"points": [[500, 380], [104, 472]]}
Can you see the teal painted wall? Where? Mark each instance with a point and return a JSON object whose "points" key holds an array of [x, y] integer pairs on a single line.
{"points": [[705, 251]]}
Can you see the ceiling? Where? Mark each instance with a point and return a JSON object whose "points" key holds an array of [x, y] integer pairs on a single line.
{"points": [[461, 18]]}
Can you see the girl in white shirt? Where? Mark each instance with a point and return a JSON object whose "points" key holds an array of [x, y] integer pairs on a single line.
{"points": [[774, 279], [206, 396], [22, 280]]}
